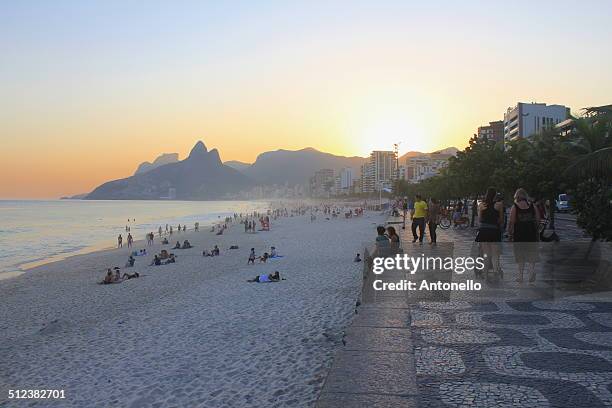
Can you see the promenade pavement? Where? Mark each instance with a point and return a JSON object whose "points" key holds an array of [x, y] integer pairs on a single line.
{"points": [[511, 344]]}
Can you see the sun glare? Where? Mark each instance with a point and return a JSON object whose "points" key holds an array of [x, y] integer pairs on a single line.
{"points": [[382, 133]]}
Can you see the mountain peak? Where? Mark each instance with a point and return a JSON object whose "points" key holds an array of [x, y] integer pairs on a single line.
{"points": [[198, 149], [214, 155], [161, 160]]}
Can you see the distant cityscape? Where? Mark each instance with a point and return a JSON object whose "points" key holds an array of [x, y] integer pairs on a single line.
{"points": [[310, 173], [385, 167]]}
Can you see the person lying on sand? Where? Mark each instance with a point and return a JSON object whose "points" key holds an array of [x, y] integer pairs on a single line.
{"points": [[357, 258], [234, 247], [131, 276], [263, 278]]}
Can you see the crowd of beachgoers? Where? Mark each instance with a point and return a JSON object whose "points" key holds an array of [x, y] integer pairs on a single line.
{"points": [[251, 222], [197, 325]]}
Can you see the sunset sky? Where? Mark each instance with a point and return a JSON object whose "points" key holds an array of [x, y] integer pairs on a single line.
{"points": [[88, 90]]}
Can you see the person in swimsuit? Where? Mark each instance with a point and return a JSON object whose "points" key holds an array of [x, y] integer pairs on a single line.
{"points": [[108, 278], [263, 278], [131, 276], [252, 257]]}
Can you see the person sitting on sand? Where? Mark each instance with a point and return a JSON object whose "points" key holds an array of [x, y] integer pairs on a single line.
{"points": [[131, 276], [216, 251], [206, 253], [357, 258], [170, 260], [165, 241], [156, 261], [163, 254], [108, 278], [264, 257], [177, 246], [186, 244], [273, 253], [117, 277], [252, 257], [263, 278], [220, 232], [130, 262]]}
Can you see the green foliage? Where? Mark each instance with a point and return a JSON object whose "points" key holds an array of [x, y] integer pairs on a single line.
{"points": [[545, 165], [592, 204]]}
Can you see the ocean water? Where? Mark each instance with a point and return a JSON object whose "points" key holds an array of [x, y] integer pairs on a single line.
{"points": [[35, 232]]}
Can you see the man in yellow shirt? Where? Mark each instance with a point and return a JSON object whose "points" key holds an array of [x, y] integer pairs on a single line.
{"points": [[419, 213]]}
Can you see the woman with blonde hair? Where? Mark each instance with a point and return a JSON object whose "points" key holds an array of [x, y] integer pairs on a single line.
{"points": [[523, 231]]}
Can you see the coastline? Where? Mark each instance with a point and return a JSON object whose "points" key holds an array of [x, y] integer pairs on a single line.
{"points": [[19, 267], [198, 317]]}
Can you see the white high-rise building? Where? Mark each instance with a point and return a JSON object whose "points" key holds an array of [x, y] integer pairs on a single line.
{"points": [[380, 171], [346, 180], [527, 119]]}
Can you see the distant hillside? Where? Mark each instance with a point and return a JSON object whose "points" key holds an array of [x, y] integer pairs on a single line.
{"points": [[238, 165], [449, 150], [296, 167], [405, 156], [74, 197], [200, 176], [165, 158]]}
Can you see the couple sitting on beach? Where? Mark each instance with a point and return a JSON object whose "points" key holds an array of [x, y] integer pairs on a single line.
{"points": [[387, 241], [214, 252], [158, 260], [116, 277], [264, 257], [186, 245], [264, 278]]}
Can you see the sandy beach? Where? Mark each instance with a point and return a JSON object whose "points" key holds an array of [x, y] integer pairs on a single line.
{"points": [[193, 333]]}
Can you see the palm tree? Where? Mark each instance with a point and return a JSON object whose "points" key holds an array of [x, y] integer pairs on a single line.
{"points": [[591, 139]]}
